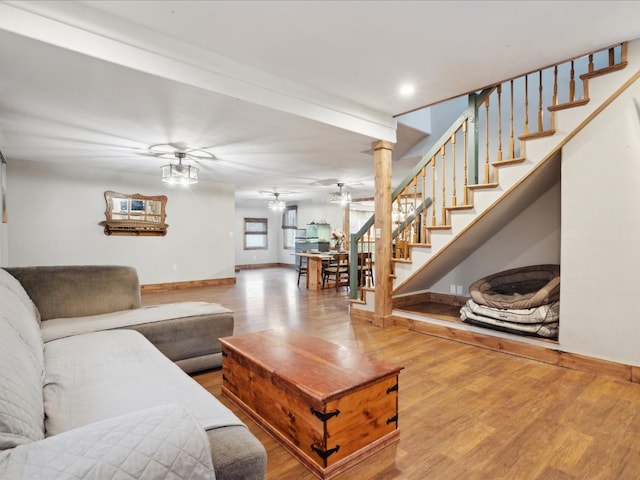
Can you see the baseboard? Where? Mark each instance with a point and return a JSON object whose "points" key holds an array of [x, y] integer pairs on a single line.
{"points": [[214, 282], [358, 315], [429, 297], [251, 266]]}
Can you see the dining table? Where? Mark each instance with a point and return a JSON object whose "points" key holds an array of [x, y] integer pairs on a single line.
{"points": [[314, 267]]}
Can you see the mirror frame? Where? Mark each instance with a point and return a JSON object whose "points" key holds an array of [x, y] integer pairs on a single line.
{"points": [[143, 220]]}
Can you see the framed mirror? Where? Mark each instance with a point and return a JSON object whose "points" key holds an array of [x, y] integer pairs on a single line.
{"points": [[134, 214]]}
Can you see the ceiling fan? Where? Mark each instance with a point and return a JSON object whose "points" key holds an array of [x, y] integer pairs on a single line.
{"points": [[276, 203], [276, 191], [169, 150], [327, 182], [180, 173], [341, 197]]}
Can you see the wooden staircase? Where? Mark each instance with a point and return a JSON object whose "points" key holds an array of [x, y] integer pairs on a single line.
{"points": [[438, 232]]}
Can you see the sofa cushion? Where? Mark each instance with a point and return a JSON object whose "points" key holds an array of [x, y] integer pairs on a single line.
{"points": [[56, 328], [77, 290], [81, 387], [186, 332], [10, 282], [21, 372]]}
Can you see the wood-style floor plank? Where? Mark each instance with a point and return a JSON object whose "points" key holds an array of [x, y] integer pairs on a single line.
{"points": [[465, 412]]}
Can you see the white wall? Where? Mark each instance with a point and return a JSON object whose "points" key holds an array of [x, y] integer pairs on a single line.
{"points": [[599, 313], [54, 213], [274, 240], [307, 212], [331, 213], [532, 238]]}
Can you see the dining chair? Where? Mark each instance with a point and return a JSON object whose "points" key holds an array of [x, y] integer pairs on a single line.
{"points": [[302, 266], [338, 268]]}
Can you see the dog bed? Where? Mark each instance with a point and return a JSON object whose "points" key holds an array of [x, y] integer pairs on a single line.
{"points": [[542, 321], [518, 288]]}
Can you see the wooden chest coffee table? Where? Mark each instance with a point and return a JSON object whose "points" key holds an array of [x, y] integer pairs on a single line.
{"points": [[329, 406]]}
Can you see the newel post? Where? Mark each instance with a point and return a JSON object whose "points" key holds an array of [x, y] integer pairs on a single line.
{"points": [[383, 233]]}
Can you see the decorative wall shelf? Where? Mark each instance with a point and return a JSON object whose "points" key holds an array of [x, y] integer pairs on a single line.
{"points": [[135, 215]]}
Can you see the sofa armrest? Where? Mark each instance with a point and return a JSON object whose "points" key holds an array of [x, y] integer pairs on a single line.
{"points": [[152, 444], [82, 290], [237, 454]]}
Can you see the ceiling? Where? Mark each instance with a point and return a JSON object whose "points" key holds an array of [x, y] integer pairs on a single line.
{"points": [[286, 95]]}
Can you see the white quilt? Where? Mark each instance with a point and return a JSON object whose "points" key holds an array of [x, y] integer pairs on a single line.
{"points": [[161, 443], [21, 368]]}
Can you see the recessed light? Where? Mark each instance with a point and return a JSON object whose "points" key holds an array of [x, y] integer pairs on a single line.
{"points": [[407, 89]]}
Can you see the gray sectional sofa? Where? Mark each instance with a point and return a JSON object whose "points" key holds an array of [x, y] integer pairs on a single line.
{"points": [[92, 385]]}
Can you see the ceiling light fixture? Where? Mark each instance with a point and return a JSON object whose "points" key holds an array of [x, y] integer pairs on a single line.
{"points": [[277, 204], [179, 174], [340, 197]]}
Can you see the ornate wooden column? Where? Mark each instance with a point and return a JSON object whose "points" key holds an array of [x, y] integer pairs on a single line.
{"points": [[383, 230]]}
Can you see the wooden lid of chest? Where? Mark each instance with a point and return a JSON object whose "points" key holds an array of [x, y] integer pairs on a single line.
{"points": [[315, 367]]}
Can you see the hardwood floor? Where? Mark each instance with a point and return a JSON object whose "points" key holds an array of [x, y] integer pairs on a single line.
{"points": [[465, 412], [443, 311]]}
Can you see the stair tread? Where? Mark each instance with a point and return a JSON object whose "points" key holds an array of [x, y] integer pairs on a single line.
{"points": [[459, 207], [420, 245], [439, 227], [604, 71], [531, 136], [564, 106], [508, 161], [401, 260], [478, 186]]}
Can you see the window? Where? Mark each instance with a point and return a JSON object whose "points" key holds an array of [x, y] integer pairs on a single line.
{"points": [[255, 233], [289, 225]]}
